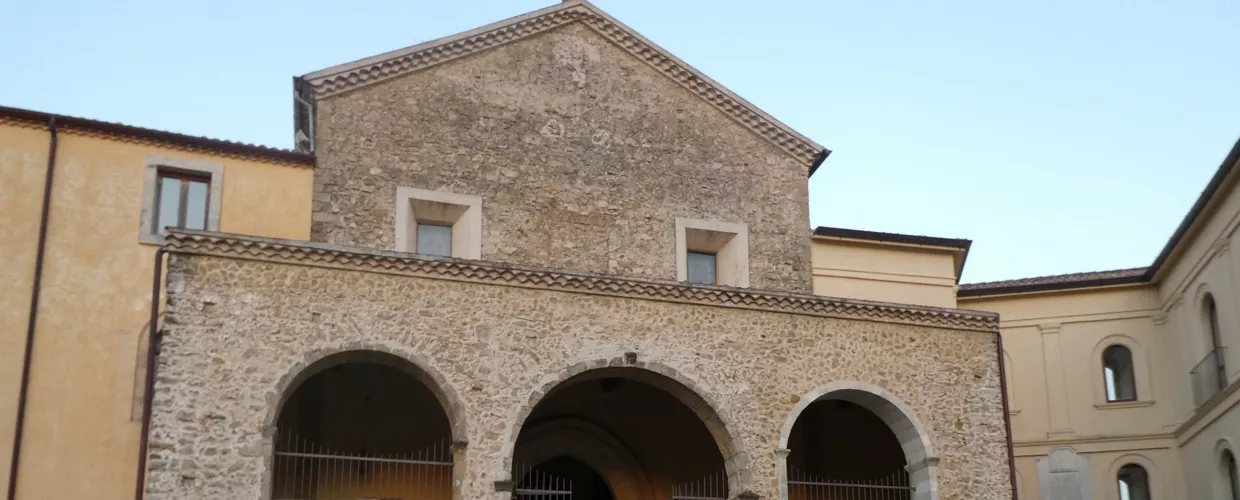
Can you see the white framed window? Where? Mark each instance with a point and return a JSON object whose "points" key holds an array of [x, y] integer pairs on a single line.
{"points": [[438, 223], [712, 252], [179, 192]]}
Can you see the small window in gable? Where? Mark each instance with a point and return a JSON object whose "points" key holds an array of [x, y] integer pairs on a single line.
{"points": [[712, 252], [1121, 384], [438, 223], [701, 267], [434, 239]]}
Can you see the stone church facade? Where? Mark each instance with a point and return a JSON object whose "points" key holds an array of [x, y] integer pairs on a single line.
{"points": [[547, 260], [574, 175]]}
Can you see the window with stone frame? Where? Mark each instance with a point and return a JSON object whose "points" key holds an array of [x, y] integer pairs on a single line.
{"points": [[438, 223], [179, 193], [712, 252]]}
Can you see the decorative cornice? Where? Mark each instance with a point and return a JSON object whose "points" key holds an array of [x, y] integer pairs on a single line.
{"points": [[376, 261], [350, 76]]}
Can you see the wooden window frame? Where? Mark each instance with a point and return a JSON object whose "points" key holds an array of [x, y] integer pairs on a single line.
{"points": [[183, 201]]}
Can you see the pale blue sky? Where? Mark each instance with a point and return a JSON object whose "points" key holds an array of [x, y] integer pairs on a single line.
{"points": [[1059, 135]]}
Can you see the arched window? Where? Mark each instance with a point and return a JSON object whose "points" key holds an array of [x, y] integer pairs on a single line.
{"points": [[1134, 483], [1233, 476], [1216, 340], [1118, 373]]}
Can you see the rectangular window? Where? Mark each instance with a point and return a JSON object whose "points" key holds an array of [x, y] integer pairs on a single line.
{"points": [[434, 239], [701, 267], [182, 201], [712, 252]]}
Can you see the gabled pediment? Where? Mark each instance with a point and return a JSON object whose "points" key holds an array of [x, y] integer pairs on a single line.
{"points": [[371, 70]]}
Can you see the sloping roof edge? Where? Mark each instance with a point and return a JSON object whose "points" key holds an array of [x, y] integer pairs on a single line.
{"points": [[912, 239], [1054, 283], [191, 142], [959, 246], [1118, 276], [1199, 206], [374, 69]]}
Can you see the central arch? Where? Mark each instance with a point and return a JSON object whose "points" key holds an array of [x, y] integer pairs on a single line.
{"points": [[590, 444], [629, 421]]}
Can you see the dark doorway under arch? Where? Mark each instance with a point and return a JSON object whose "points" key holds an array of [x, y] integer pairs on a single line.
{"points": [[564, 474], [839, 449], [362, 430], [637, 434]]}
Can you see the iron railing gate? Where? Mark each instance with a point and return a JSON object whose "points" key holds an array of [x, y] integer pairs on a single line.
{"points": [[534, 484], [894, 486], [305, 470], [711, 487]]}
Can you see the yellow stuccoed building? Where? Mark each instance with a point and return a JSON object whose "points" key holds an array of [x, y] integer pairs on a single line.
{"points": [[494, 269], [84, 387]]}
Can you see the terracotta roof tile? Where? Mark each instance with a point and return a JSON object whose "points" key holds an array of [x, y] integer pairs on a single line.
{"points": [[193, 142], [1055, 282]]}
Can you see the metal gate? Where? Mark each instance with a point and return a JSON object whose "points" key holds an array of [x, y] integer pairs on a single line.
{"points": [[534, 484], [711, 487], [305, 470], [894, 486]]}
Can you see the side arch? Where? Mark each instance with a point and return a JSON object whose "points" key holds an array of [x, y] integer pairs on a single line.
{"points": [[903, 422], [663, 377], [315, 362], [413, 365]]}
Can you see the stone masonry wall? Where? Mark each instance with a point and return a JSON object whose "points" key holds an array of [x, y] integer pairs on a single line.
{"points": [[239, 330], [584, 156]]}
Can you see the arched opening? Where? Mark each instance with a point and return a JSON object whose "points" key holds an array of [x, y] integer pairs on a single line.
{"points": [[1230, 475], [1118, 373], [855, 440], [362, 425], [620, 434], [839, 449], [1216, 340], [1134, 483], [1209, 376]]}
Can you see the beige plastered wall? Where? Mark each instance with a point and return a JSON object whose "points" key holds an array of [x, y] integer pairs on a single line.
{"points": [[95, 299], [1053, 344], [1205, 263], [904, 274]]}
